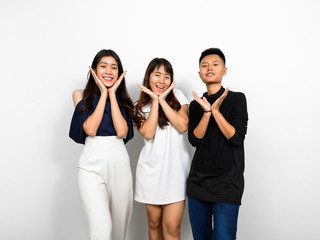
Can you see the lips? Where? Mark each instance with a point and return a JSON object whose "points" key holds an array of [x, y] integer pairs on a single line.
{"points": [[108, 78], [160, 87], [210, 74]]}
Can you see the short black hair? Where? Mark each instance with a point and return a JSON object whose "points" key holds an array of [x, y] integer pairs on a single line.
{"points": [[210, 51]]}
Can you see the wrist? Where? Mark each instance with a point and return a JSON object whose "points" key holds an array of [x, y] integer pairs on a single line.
{"points": [[215, 111], [155, 100], [104, 94]]}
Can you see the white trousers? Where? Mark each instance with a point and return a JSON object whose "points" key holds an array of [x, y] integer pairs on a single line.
{"points": [[105, 184]]}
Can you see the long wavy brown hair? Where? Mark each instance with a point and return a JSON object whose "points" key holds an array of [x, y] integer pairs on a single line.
{"points": [[92, 90], [144, 98]]}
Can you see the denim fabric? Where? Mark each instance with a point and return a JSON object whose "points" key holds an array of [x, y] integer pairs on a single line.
{"points": [[216, 221]]}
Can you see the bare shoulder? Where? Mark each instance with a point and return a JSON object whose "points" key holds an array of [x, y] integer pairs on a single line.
{"points": [[77, 96]]}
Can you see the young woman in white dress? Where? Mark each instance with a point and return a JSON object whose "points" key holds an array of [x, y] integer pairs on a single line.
{"points": [[161, 116]]}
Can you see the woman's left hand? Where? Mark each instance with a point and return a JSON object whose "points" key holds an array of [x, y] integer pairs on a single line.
{"points": [[163, 96], [116, 84]]}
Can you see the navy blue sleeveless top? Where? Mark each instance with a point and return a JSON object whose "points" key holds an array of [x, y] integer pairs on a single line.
{"points": [[106, 127]]}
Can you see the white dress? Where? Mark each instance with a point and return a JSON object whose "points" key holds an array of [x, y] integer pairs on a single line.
{"points": [[163, 164]]}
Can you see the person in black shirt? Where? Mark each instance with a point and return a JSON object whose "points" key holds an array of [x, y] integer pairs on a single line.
{"points": [[217, 128]]}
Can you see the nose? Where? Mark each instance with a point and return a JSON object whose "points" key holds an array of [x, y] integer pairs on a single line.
{"points": [[210, 66], [161, 79], [108, 70]]}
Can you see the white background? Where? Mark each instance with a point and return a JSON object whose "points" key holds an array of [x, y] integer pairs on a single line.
{"points": [[273, 56]]}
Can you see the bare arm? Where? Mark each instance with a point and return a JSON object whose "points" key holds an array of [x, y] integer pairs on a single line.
{"points": [[77, 96], [202, 126], [226, 128], [92, 123], [119, 123], [149, 127], [180, 119]]}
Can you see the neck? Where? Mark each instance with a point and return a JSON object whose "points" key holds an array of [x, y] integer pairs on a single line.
{"points": [[213, 88]]}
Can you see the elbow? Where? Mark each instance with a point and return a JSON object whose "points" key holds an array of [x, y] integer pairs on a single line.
{"points": [[148, 136], [91, 133], [193, 140], [121, 134], [184, 127]]}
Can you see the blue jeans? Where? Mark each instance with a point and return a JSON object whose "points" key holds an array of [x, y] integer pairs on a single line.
{"points": [[225, 218]]}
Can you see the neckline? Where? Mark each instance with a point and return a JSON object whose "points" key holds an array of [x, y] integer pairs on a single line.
{"points": [[215, 95]]}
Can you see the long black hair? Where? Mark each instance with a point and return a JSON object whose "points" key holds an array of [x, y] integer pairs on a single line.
{"points": [[144, 98], [92, 90]]}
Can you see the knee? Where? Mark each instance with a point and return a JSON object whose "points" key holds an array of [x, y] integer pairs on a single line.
{"points": [[173, 229], [154, 223]]}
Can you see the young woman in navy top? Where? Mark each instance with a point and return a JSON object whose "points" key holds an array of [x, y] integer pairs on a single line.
{"points": [[102, 122]]}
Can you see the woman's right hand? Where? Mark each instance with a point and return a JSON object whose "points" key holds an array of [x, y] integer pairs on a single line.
{"points": [[151, 94], [206, 106], [101, 86]]}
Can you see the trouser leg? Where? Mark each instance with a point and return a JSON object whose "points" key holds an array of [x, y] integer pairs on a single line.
{"points": [[200, 214], [225, 221], [95, 204], [120, 195]]}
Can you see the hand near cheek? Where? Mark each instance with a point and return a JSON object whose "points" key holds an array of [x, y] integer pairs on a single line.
{"points": [[101, 86], [163, 96], [151, 94], [116, 84]]}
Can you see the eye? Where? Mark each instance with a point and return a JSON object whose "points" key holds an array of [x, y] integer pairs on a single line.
{"points": [[216, 64], [114, 68]]}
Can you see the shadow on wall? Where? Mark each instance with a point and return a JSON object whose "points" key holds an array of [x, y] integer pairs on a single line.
{"points": [[68, 218]]}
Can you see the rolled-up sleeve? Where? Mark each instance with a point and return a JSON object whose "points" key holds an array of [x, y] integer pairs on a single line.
{"points": [[193, 123], [239, 120]]}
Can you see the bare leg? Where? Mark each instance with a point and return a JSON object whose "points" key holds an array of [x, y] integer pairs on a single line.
{"points": [[154, 213], [172, 216]]}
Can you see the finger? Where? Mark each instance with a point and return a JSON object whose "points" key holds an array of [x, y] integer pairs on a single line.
{"points": [[195, 95], [141, 86], [144, 89], [169, 89], [93, 73], [225, 93], [205, 100], [122, 76]]}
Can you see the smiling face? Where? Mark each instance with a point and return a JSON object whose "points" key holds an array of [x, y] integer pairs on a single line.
{"points": [[159, 80], [212, 69], [107, 71]]}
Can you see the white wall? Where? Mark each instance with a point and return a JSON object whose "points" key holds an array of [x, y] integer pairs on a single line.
{"points": [[273, 56]]}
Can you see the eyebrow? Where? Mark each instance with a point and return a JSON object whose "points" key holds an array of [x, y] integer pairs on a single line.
{"points": [[211, 61], [164, 74], [113, 64]]}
